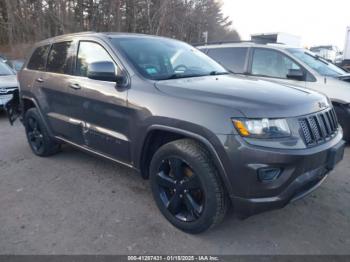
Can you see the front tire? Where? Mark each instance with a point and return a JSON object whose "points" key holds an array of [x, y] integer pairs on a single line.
{"points": [[344, 120], [186, 186], [38, 136]]}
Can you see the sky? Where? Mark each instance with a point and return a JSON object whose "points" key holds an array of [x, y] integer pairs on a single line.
{"points": [[321, 22]]}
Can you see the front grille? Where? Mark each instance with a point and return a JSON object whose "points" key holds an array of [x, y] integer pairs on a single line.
{"points": [[7, 90], [319, 127]]}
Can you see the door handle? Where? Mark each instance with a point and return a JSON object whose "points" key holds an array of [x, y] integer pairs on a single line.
{"points": [[40, 80], [74, 86]]}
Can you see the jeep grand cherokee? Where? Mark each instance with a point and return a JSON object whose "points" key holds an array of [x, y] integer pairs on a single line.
{"points": [[203, 137]]}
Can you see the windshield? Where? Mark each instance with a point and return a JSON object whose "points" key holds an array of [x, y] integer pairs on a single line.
{"points": [[318, 64], [5, 70], [161, 59]]}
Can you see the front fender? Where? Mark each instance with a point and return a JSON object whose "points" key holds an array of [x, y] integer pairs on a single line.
{"points": [[189, 130]]}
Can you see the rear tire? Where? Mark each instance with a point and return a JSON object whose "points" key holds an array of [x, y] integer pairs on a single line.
{"points": [[38, 136], [186, 186]]}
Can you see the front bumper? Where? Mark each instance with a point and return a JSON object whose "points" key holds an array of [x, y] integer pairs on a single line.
{"points": [[5, 98], [302, 171]]}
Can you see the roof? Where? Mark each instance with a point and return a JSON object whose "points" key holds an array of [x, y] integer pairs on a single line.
{"points": [[97, 34], [244, 44]]}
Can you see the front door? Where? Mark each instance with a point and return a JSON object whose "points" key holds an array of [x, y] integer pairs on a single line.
{"points": [[274, 66], [99, 104]]}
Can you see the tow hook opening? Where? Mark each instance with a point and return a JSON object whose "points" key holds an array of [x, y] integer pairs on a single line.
{"points": [[269, 174]]}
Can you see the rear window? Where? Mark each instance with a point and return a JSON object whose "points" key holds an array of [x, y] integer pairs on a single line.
{"points": [[38, 59], [60, 58], [232, 59]]}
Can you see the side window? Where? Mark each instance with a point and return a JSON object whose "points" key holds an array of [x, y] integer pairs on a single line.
{"points": [[60, 58], [272, 63], [38, 59], [232, 59], [90, 52]]}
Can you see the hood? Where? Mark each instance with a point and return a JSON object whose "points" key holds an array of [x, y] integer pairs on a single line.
{"points": [[8, 81], [345, 77], [254, 98], [336, 89]]}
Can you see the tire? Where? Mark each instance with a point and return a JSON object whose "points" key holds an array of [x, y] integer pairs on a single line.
{"points": [[204, 202], [37, 135], [343, 119]]}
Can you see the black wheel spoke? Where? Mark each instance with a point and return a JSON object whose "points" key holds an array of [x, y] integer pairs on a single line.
{"points": [[174, 204], [31, 123], [176, 166], [180, 189], [192, 205], [165, 181], [34, 134], [192, 182], [38, 141], [31, 135]]}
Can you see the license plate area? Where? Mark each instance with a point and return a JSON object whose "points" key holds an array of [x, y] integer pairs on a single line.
{"points": [[335, 155]]}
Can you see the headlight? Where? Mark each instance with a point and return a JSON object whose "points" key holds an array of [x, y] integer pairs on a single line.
{"points": [[262, 128]]}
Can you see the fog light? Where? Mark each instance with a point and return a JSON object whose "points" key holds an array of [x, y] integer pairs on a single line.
{"points": [[268, 174]]}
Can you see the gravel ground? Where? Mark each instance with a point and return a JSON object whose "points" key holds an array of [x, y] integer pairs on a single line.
{"points": [[75, 203]]}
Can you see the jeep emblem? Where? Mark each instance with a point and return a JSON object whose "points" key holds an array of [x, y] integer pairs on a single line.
{"points": [[322, 104]]}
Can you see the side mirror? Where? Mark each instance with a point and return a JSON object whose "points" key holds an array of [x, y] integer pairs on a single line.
{"points": [[104, 71], [121, 80], [296, 74]]}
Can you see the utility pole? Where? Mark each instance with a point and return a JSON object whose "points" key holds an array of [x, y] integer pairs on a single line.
{"points": [[205, 36]]}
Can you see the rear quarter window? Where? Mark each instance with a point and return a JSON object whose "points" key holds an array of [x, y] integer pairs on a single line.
{"points": [[38, 58], [232, 59], [60, 58]]}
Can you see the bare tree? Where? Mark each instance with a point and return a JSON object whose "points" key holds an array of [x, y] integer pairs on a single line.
{"points": [[27, 21]]}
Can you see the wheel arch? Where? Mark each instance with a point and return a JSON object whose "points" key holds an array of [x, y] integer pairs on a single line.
{"points": [[27, 103], [174, 133], [30, 102], [338, 102]]}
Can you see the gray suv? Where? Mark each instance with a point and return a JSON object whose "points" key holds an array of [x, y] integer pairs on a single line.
{"points": [[203, 137]]}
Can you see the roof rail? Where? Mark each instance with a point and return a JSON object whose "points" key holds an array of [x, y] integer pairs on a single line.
{"points": [[222, 42], [78, 33], [236, 42]]}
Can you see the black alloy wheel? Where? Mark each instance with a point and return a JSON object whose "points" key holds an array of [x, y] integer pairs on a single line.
{"points": [[35, 136], [180, 190], [41, 143], [186, 186]]}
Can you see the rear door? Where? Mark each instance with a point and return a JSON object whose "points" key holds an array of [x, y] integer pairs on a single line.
{"points": [[55, 87], [27, 78], [274, 66], [234, 59]]}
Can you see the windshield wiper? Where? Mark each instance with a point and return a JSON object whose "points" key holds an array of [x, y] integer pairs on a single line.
{"points": [[179, 76], [216, 73], [317, 57]]}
